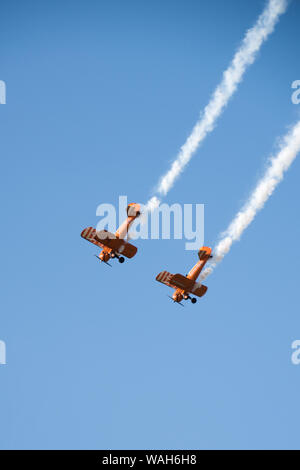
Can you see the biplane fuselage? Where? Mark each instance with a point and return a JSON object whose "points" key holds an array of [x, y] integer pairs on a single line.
{"points": [[186, 285], [114, 245]]}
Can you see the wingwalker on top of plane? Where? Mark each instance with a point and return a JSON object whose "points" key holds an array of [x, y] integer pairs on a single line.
{"points": [[114, 245], [186, 285]]}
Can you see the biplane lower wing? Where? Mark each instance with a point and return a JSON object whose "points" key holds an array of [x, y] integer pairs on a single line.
{"points": [[116, 244], [200, 291]]}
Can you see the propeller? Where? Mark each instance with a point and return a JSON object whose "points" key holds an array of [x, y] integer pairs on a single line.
{"points": [[101, 261], [174, 301]]}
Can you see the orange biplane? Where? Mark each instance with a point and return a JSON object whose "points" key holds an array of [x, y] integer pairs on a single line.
{"points": [[186, 285], [114, 245]]}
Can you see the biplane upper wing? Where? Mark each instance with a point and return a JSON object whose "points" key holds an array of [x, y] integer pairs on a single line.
{"points": [[182, 282], [204, 254], [188, 285], [164, 277], [116, 244], [89, 234]]}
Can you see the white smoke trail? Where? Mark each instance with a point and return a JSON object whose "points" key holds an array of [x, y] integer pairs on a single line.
{"points": [[278, 165], [245, 56]]}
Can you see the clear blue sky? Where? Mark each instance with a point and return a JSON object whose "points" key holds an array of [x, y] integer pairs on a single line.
{"points": [[100, 96]]}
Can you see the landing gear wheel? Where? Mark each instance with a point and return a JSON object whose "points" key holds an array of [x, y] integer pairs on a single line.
{"points": [[121, 259], [193, 300]]}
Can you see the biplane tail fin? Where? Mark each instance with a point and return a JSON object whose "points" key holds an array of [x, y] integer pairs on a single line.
{"points": [[204, 253], [133, 211]]}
